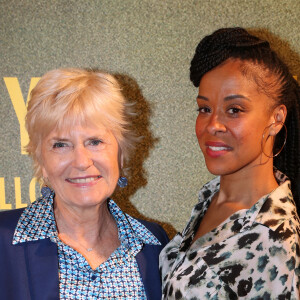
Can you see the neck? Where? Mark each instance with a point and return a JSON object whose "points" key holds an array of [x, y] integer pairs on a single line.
{"points": [[247, 185], [85, 225]]}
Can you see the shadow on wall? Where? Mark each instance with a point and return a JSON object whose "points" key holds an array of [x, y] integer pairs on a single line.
{"points": [[137, 175], [281, 47]]}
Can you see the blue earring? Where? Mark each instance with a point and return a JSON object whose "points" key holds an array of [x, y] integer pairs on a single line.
{"points": [[122, 182], [45, 191]]}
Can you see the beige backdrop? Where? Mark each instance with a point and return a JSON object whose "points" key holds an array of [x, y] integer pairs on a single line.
{"points": [[149, 45]]}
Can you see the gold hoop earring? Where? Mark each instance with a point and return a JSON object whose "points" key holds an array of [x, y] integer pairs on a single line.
{"points": [[262, 140]]}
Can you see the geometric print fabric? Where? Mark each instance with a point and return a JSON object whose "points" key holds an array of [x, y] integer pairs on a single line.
{"points": [[116, 278]]}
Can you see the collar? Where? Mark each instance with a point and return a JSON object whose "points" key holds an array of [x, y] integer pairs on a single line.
{"points": [[37, 222]]}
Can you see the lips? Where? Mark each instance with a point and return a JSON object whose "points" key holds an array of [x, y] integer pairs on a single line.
{"points": [[83, 180], [216, 149]]}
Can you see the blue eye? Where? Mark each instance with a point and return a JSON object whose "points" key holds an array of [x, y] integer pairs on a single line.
{"points": [[59, 145], [96, 142]]}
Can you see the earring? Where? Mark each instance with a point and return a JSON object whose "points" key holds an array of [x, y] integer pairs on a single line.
{"points": [[46, 191], [262, 140], [122, 181]]}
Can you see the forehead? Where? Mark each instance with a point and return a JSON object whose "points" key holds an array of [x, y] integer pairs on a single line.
{"points": [[233, 76], [224, 71], [87, 129]]}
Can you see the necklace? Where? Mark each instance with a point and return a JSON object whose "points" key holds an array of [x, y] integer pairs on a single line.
{"points": [[70, 244], [87, 249]]}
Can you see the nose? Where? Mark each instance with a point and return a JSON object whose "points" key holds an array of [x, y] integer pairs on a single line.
{"points": [[82, 158], [215, 125]]}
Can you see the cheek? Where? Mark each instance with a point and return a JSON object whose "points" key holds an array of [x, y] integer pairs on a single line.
{"points": [[53, 166], [247, 136], [113, 165], [239, 131], [199, 127], [107, 162]]}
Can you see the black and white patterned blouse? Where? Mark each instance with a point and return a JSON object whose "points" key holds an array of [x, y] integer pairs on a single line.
{"points": [[254, 254]]}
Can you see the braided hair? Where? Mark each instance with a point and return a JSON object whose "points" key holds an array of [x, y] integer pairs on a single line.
{"points": [[237, 43]]}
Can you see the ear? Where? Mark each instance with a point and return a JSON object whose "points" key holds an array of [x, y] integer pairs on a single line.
{"points": [[121, 159], [44, 172], [278, 118]]}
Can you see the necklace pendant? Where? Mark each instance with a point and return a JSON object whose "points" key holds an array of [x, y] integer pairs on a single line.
{"points": [[89, 249]]}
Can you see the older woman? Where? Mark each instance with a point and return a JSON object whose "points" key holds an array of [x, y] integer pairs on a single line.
{"points": [[242, 241], [75, 242]]}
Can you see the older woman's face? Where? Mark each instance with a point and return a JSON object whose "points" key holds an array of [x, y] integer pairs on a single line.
{"points": [[232, 117], [81, 165]]}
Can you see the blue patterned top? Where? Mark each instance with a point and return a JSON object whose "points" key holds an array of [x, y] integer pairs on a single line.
{"points": [[117, 278]]}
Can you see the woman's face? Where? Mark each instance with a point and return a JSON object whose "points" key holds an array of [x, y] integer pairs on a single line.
{"points": [[81, 165], [232, 117]]}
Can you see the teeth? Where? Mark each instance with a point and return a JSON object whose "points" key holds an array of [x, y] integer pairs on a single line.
{"points": [[83, 180], [217, 148]]}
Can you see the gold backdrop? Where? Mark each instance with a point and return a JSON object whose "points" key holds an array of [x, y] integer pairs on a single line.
{"points": [[148, 44]]}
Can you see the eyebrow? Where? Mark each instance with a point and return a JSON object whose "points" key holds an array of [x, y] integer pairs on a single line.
{"points": [[231, 97], [202, 98], [236, 97], [57, 138], [63, 139]]}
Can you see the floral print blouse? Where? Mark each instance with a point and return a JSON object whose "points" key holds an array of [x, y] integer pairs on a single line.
{"points": [[253, 254]]}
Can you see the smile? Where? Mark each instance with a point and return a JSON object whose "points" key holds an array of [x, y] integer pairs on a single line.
{"points": [[217, 149], [213, 148], [83, 180]]}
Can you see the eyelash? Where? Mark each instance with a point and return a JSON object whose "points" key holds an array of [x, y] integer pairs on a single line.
{"points": [[199, 109], [59, 145], [235, 110], [96, 142]]}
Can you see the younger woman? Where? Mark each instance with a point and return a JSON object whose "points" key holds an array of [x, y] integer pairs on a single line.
{"points": [[242, 241]]}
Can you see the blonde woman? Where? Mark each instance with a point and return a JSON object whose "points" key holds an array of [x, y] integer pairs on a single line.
{"points": [[75, 242]]}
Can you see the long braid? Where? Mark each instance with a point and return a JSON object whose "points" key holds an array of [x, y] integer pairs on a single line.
{"points": [[238, 43], [289, 160]]}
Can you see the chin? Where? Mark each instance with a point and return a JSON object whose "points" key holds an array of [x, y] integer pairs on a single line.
{"points": [[216, 172], [220, 170], [213, 168], [88, 200]]}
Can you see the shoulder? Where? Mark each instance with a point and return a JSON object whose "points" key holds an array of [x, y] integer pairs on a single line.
{"points": [[156, 230], [10, 218], [8, 223], [279, 214]]}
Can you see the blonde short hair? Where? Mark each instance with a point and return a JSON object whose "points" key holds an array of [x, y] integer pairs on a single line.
{"points": [[65, 97]]}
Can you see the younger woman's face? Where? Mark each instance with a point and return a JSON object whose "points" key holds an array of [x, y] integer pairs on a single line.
{"points": [[233, 115]]}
